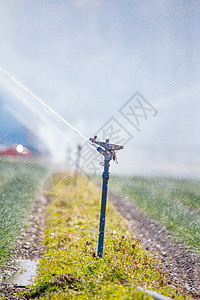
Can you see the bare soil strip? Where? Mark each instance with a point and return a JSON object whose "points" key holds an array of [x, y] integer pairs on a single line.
{"points": [[28, 246], [177, 260]]}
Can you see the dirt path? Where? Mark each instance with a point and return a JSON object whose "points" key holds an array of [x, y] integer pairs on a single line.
{"points": [[28, 247], [177, 260]]}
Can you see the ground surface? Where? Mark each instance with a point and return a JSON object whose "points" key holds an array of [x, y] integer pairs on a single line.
{"points": [[28, 247], [182, 264]]}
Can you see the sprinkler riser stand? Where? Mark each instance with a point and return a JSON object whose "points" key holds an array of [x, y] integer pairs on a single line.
{"points": [[105, 177], [108, 151]]}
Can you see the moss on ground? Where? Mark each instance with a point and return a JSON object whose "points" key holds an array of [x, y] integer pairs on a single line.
{"points": [[70, 268]]}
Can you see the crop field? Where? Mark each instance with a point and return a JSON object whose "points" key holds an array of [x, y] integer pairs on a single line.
{"points": [[70, 268], [174, 203], [19, 184]]}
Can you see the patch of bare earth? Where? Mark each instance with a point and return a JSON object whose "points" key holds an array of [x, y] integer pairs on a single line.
{"points": [[180, 263], [28, 246]]}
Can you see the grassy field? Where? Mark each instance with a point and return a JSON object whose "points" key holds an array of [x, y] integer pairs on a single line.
{"points": [[175, 203], [70, 268], [19, 186]]}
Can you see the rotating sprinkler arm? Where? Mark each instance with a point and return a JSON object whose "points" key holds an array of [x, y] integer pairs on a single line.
{"points": [[106, 149]]}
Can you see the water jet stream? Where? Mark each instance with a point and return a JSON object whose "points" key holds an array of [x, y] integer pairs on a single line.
{"points": [[25, 89]]}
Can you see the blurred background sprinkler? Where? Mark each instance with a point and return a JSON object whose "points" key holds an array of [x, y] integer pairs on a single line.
{"points": [[108, 151], [77, 164]]}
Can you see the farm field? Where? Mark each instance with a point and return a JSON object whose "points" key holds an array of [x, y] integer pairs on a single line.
{"points": [[20, 182], [174, 203], [70, 268]]}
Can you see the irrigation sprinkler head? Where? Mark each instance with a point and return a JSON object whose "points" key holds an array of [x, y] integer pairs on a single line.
{"points": [[106, 149]]}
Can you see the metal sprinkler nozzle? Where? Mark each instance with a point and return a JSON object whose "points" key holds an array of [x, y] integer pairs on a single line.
{"points": [[107, 149]]}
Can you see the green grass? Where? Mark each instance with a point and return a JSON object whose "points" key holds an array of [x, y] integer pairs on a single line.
{"points": [[19, 186], [70, 268], [175, 203]]}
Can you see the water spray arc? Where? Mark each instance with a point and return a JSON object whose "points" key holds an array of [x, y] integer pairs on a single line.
{"points": [[26, 90]]}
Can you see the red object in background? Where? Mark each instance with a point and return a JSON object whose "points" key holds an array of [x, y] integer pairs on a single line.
{"points": [[15, 150]]}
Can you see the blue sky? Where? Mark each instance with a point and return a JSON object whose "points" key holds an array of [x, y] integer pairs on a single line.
{"points": [[87, 58]]}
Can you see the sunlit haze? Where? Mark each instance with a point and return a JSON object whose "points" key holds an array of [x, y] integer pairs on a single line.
{"points": [[86, 59]]}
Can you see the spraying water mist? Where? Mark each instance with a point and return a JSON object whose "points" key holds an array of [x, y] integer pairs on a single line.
{"points": [[25, 89]]}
